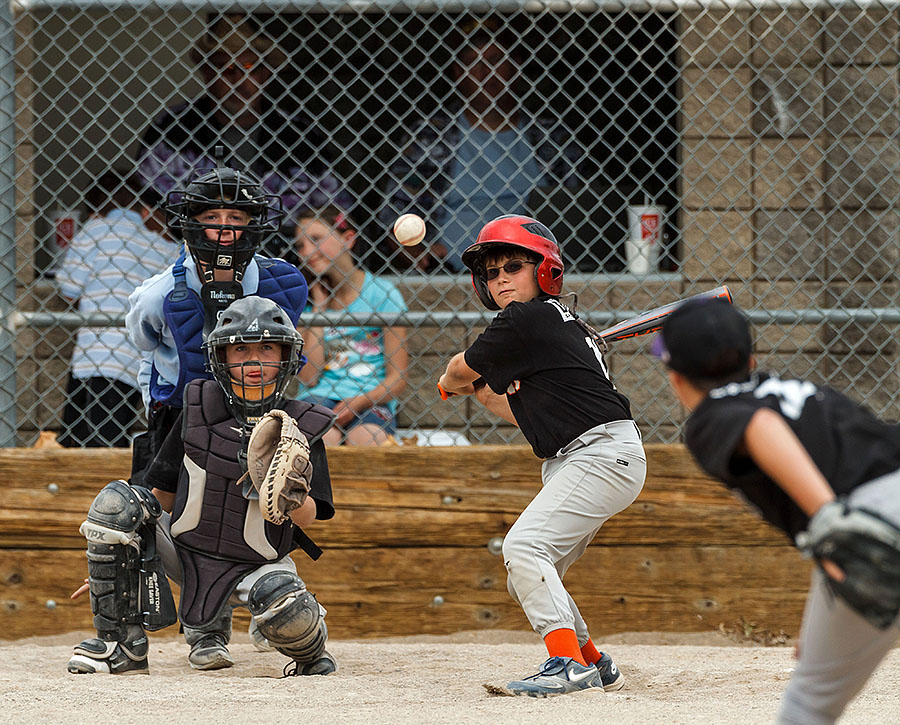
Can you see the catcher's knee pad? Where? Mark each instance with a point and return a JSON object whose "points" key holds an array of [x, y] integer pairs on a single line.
{"points": [[118, 529], [118, 511], [288, 615]]}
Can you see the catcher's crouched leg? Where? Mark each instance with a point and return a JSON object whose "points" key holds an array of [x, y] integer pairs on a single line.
{"points": [[123, 570], [293, 622], [209, 649]]}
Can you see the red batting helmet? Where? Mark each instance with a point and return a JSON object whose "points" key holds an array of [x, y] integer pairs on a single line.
{"points": [[526, 233]]}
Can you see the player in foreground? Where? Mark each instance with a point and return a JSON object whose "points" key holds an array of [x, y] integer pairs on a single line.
{"points": [[817, 466], [233, 542], [223, 217], [537, 365]]}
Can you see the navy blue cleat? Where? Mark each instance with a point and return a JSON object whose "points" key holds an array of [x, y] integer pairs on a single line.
{"points": [[610, 676], [558, 676]]}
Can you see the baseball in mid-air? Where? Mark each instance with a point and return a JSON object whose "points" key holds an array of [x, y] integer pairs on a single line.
{"points": [[409, 229]]}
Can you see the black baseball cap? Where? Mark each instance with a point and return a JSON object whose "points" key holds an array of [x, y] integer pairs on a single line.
{"points": [[705, 340]]}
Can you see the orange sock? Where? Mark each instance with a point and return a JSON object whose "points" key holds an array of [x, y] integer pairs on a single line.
{"points": [[563, 643], [590, 652]]}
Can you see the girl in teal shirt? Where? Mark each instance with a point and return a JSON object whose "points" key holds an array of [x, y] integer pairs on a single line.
{"points": [[358, 372]]}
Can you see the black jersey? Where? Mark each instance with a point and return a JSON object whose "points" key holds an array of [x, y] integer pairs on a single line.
{"points": [[848, 444], [551, 370]]}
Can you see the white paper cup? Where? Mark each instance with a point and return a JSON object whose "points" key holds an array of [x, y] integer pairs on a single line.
{"points": [[644, 238]]}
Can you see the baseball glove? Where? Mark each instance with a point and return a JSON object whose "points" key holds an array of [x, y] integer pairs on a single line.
{"points": [[279, 466], [867, 550]]}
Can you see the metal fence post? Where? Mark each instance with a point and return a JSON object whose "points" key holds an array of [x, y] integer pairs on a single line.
{"points": [[7, 227]]}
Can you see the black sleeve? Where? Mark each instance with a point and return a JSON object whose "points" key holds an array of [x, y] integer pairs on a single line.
{"points": [[166, 466], [320, 486], [714, 432], [498, 354]]}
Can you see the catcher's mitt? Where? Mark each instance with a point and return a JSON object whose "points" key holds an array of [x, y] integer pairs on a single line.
{"points": [[867, 550], [279, 466]]}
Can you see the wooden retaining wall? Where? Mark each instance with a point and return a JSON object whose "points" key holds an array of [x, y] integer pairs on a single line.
{"points": [[409, 551]]}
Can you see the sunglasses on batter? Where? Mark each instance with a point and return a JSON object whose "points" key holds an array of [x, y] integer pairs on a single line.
{"points": [[512, 267]]}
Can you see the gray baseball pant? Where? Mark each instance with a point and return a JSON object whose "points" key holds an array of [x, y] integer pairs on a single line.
{"points": [[839, 649], [593, 478]]}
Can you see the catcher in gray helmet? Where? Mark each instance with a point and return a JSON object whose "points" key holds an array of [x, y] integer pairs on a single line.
{"points": [[817, 466], [229, 545]]}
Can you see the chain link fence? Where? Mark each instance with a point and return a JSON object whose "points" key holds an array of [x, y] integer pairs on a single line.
{"points": [[752, 144]]}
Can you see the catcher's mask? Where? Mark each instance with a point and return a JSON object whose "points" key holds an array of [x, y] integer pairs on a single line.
{"points": [[524, 233], [253, 320], [222, 188]]}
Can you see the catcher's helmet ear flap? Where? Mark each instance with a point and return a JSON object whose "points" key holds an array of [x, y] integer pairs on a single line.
{"points": [[223, 188], [514, 230], [253, 320]]}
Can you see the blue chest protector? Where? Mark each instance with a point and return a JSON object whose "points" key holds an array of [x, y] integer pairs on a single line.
{"points": [[183, 310]]}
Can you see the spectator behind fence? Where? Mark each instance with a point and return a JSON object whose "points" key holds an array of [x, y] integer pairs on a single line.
{"points": [[357, 372], [477, 159], [238, 61], [118, 248]]}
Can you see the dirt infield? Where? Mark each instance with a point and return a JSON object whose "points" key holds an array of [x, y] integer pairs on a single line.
{"points": [[699, 678]]}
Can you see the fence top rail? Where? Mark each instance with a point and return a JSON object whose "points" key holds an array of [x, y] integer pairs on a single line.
{"points": [[890, 315], [411, 6]]}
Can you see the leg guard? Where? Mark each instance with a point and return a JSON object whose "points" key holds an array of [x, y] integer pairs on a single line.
{"points": [[126, 596], [289, 616]]}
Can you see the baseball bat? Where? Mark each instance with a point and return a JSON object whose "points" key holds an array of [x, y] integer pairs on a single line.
{"points": [[653, 320], [644, 323]]}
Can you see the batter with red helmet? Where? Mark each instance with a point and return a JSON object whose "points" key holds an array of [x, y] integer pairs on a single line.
{"points": [[539, 366]]}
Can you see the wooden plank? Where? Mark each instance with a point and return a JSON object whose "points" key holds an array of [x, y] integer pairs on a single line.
{"points": [[489, 464], [381, 592], [398, 497]]}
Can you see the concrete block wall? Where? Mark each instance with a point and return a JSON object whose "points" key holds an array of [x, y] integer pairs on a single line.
{"points": [[790, 161]]}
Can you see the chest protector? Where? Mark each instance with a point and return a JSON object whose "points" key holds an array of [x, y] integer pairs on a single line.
{"points": [[219, 535], [183, 311]]}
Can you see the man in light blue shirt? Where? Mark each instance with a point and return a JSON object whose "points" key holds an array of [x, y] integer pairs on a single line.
{"points": [[117, 249]]}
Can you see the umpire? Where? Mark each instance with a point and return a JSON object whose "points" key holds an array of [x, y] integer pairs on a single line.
{"points": [[815, 465]]}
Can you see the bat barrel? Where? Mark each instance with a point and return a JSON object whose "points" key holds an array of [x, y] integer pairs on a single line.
{"points": [[652, 320]]}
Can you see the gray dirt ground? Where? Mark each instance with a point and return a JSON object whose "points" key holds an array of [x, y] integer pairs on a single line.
{"points": [[672, 678]]}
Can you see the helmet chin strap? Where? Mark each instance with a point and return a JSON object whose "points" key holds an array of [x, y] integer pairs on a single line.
{"points": [[224, 258]]}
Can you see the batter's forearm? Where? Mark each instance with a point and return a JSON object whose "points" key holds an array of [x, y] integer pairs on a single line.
{"points": [[497, 404], [458, 377]]}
